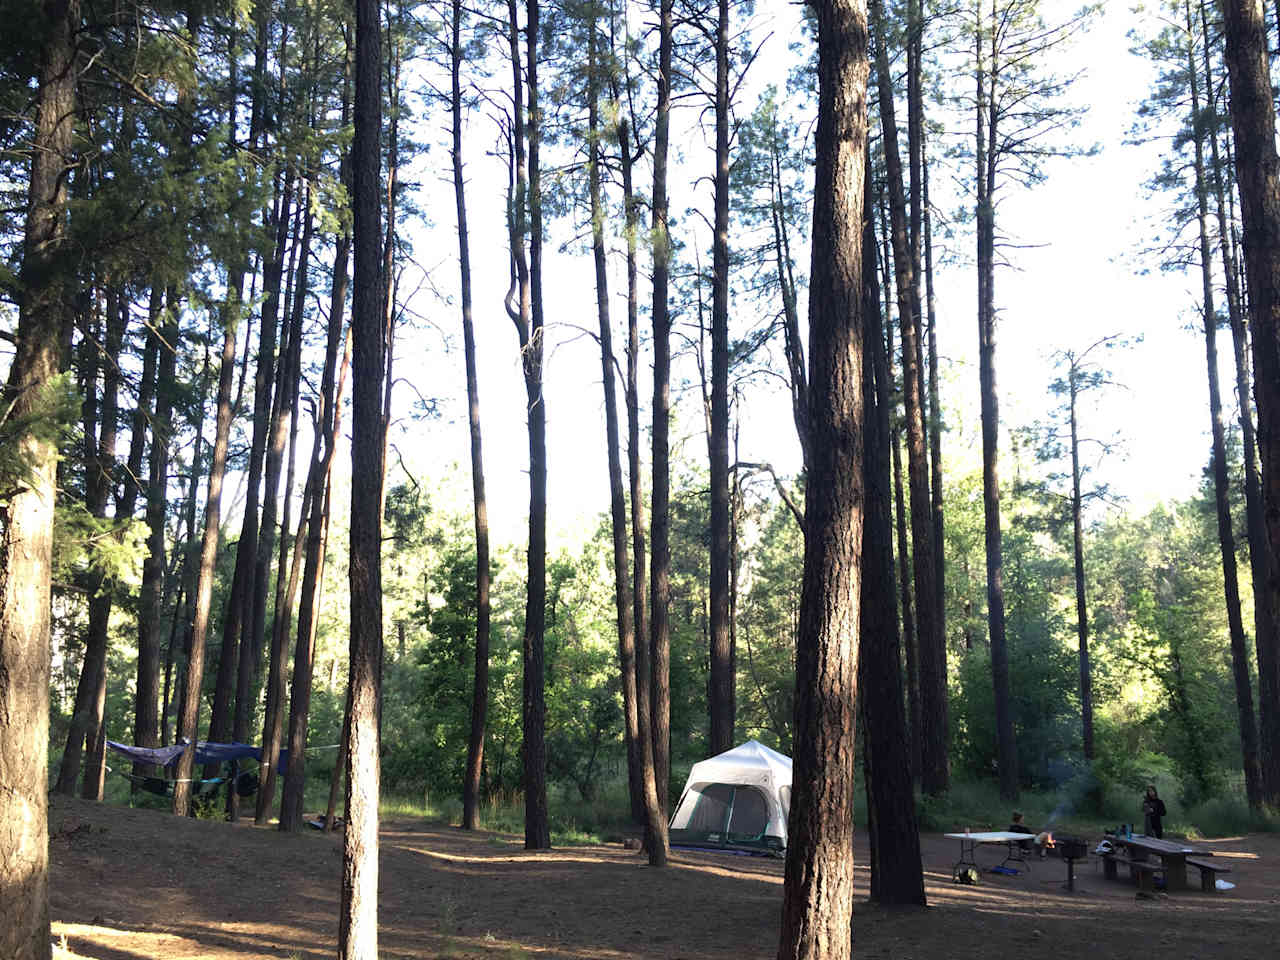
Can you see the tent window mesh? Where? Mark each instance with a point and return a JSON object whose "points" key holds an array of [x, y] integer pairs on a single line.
{"points": [[750, 813], [712, 808]]}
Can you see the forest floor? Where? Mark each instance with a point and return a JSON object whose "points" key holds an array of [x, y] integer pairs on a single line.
{"points": [[129, 884]]}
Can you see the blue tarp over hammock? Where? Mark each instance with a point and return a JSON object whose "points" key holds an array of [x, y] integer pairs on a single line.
{"points": [[205, 753]]}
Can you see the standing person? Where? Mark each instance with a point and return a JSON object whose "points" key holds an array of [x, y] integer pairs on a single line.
{"points": [[1152, 810]]}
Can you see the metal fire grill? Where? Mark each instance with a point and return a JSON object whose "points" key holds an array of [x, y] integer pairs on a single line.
{"points": [[1071, 849]]}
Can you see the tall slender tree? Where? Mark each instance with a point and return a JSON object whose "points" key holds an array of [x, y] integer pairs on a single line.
{"points": [[358, 920], [818, 891], [1258, 180], [1265, 628], [660, 513], [897, 877], [721, 706], [480, 684], [933, 734]]}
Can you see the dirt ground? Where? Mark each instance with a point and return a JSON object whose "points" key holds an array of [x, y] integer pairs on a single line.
{"points": [[130, 884]]}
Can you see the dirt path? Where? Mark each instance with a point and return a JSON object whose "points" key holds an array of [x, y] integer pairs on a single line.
{"points": [[130, 884]]}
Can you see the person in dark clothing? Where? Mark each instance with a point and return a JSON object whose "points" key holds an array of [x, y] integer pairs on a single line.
{"points": [[1034, 842], [1152, 811]]}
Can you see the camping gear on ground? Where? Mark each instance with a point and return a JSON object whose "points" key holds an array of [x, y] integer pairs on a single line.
{"points": [[739, 799]]}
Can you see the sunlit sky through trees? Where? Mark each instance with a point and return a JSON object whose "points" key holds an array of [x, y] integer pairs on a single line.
{"points": [[1079, 273]]}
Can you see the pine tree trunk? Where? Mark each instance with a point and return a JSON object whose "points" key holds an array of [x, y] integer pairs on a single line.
{"points": [[660, 531], [189, 718], [99, 456], [237, 622], [480, 685], [1007, 752], [897, 876], [654, 823], [358, 919], [1266, 627], [1082, 610], [642, 762], [909, 640], [537, 831], [721, 706], [313, 575], [26, 535], [126, 498], [935, 408], [817, 910], [932, 645], [146, 732], [792, 344], [1226, 534]]}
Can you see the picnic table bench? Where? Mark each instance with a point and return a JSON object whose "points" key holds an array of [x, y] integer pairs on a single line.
{"points": [[1142, 872], [1208, 873]]}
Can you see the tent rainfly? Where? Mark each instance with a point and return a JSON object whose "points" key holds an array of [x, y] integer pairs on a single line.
{"points": [[739, 800]]}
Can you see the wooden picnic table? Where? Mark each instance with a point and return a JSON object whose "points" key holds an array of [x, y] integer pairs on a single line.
{"points": [[1173, 857]]}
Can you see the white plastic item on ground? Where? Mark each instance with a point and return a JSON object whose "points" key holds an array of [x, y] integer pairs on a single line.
{"points": [[1225, 884]]}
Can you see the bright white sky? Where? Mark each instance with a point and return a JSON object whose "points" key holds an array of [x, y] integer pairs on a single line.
{"points": [[1082, 284]]}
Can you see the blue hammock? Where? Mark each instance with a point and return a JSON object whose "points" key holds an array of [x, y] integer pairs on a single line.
{"points": [[206, 753]]}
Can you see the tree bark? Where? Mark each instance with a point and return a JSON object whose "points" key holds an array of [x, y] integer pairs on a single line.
{"points": [[239, 611], [26, 529], [99, 455], [480, 685], [145, 731], [1226, 535], [654, 823], [818, 892], [897, 876], [189, 718], [986, 159], [284, 408], [358, 920], [639, 580], [537, 831], [660, 531], [312, 578], [932, 644], [935, 406], [1082, 610], [721, 706], [1258, 177]]}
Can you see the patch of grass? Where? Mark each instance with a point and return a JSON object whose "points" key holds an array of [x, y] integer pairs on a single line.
{"points": [[1223, 816]]}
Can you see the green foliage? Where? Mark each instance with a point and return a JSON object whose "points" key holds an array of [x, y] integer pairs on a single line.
{"points": [[44, 418]]}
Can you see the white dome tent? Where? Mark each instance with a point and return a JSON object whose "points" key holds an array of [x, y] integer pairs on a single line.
{"points": [[739, 799]]}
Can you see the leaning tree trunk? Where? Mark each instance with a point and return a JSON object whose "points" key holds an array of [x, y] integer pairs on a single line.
{"points": [[721, 706], [26, 536], [897, 877], [818, 892], [358, 919]]}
